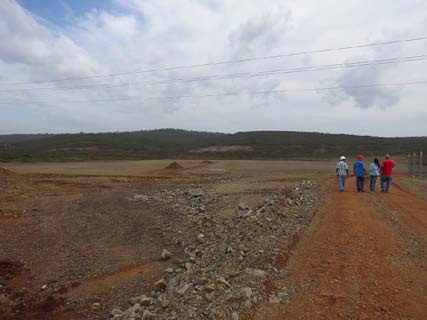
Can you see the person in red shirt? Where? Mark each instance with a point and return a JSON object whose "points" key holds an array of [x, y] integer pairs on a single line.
{"points": [[386, 172]]}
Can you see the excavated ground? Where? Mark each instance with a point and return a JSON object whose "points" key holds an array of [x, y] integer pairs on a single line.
{"points": [[75, 244]]}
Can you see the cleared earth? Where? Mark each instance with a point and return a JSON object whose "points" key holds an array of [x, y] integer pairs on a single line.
{"points": [[79, 239]]}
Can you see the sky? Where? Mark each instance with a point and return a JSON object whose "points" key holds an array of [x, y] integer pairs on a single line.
{"points": [[99, 66]]}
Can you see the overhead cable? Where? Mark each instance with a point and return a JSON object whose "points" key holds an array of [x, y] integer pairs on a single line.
{"points": [[363, 86], [228, 76], [356, 46]]}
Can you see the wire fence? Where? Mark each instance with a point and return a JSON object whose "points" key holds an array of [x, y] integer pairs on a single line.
{"points": [[417, 165]]}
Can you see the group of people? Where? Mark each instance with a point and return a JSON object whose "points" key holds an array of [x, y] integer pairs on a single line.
{"points": [[375, 170]]}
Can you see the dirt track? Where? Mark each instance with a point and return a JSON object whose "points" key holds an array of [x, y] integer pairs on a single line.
{"points": [[363, 257]]}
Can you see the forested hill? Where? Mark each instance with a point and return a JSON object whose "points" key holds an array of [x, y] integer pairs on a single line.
{"points": [[164, 143], [15, 138]]}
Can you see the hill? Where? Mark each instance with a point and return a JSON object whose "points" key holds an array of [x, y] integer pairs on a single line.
{"points": [[15, 138], [164, 143]]}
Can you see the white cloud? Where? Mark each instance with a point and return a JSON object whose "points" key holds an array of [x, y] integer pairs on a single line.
{"points": [[23, 40], [150, 34], [260, 34]]}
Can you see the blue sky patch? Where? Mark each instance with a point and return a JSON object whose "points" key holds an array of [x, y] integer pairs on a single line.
{"points": [[63, 12]]}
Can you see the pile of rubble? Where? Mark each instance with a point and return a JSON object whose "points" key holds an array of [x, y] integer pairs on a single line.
{"points": [[8, 179], [231, 263]]}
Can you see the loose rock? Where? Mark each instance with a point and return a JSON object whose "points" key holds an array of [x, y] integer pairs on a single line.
{"points": [[166, 254], [246, 292], [161, 285]]}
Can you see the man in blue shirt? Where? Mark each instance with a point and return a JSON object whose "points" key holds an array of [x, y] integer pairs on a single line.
{"points": [[359, 171]]}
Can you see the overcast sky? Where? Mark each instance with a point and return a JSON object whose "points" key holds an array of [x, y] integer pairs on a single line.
{"points": [[49, 40]]}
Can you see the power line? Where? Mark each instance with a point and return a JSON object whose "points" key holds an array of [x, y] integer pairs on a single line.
{"points": [[230, 76], [363, 86], [229, 61]]}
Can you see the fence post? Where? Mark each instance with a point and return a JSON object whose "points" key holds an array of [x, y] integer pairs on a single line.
{"points": [[421, 164], [414, 165]]}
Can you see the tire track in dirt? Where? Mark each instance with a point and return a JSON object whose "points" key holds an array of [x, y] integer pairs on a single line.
{"points": [[350, 263], [104, 283]]}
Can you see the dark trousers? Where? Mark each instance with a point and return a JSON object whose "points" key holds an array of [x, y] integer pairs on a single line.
{"points": [[360, 183]]}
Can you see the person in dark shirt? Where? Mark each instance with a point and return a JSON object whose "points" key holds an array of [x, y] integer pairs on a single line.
{"points": [[359, 171]]}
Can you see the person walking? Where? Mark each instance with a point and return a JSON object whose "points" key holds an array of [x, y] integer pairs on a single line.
{"points": [[386, 172], [359, 171], [374, 172], [342, 172]]}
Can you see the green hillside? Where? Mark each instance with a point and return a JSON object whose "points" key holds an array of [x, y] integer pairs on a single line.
{"points": [[165, 143], [15, 138]]}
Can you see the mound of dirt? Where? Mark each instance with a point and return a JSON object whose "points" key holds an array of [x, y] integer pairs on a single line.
{"points": [[7, 173], [174, 166], [207, 162], [197, 294]]}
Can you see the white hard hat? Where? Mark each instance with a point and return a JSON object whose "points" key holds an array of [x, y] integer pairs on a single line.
{"points": [[343, 158]]}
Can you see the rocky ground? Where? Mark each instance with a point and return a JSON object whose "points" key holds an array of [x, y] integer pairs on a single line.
{"points": [[174, 245], [231, 263]]}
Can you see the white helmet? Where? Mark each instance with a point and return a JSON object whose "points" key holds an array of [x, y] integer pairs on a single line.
{"points": [[343, 158]]}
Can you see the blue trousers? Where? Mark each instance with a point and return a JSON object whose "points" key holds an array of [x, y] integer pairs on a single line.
{"points": [[385, 183], [372, 182], [341, 181]]}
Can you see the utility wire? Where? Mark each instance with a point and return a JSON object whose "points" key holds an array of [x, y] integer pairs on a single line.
{"points": [[229, 76], [229, 61], [363, 86]]}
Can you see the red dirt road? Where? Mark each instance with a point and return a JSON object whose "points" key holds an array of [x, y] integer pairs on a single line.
{"points": [[363, 257]]}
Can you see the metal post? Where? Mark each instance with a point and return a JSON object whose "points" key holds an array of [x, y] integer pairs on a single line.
{"points": [[414, 159]]}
